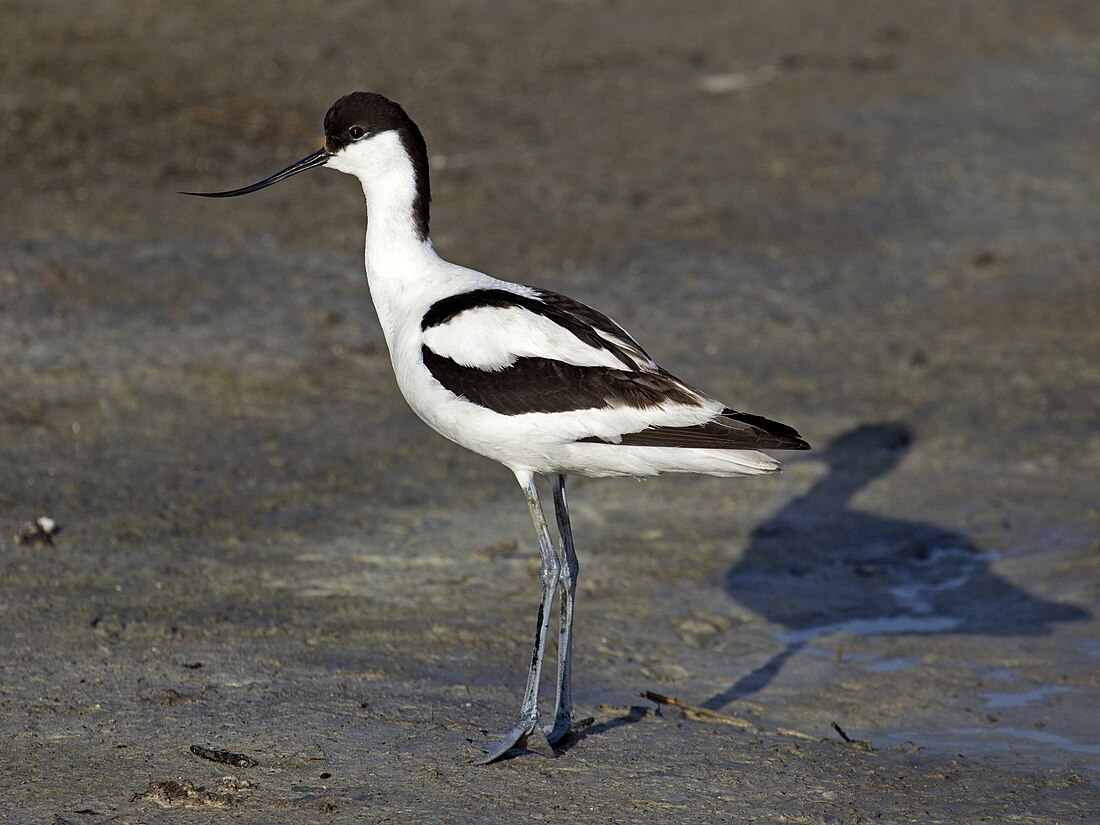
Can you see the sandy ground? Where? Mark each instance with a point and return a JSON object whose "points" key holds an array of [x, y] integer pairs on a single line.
{"points": [[875, 222]]}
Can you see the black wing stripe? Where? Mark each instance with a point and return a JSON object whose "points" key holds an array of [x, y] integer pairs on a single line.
{"points": [[759, 421], [444, 310], [532, 385], [714, 435], [581, 320], [573, 308]]}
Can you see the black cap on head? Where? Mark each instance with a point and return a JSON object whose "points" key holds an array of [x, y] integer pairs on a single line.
{"points": [[361, 115], [372, 113]]}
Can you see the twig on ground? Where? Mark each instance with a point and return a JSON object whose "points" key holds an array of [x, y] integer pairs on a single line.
{"points": [[698, 714], [238, 760]]}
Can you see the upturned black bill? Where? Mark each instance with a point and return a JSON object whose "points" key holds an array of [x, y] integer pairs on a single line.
{"points": [[318, 158]]}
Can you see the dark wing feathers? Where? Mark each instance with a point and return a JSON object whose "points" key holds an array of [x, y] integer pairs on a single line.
{"points": [[723, 433], [447, 308], [531, 385], [544, 385], [577, 315], [771, 427]]}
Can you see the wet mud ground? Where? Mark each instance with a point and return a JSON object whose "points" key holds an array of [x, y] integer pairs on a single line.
{"points": [[875, 223]]}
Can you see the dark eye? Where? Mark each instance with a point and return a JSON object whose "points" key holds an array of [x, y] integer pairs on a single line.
{"points": [[356, 132]]}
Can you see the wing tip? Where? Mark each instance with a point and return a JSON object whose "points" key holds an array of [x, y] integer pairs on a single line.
{"points": [[786, 436]]}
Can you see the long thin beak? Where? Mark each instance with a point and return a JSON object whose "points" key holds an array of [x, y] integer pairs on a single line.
{"points": [[318, 158]]}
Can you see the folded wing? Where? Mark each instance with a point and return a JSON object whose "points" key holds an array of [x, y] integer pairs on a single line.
{"points": [[532, 351]]}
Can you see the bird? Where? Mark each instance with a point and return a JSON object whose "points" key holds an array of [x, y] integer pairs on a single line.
{"points": [[537, 381]]}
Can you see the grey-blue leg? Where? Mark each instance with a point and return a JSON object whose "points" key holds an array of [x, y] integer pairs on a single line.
{"points": [[528, 732], [567, 578]]}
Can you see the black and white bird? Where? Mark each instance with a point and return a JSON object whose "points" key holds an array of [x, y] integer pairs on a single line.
{"points": [[537, 381]]}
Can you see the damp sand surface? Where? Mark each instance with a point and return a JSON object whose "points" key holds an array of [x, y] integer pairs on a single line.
{"points": [[876, 224]]}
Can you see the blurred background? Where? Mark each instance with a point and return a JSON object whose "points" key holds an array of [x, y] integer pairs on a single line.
{"points": [[874, 222]]}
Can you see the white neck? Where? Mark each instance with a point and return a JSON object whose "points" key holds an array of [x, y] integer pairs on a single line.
{"points": [[404, 273], [386, 172], [392, 233], [403, 270]]}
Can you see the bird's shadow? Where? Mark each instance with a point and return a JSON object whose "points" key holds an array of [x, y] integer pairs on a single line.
{"points": [[629, 716], [821, 566]]}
